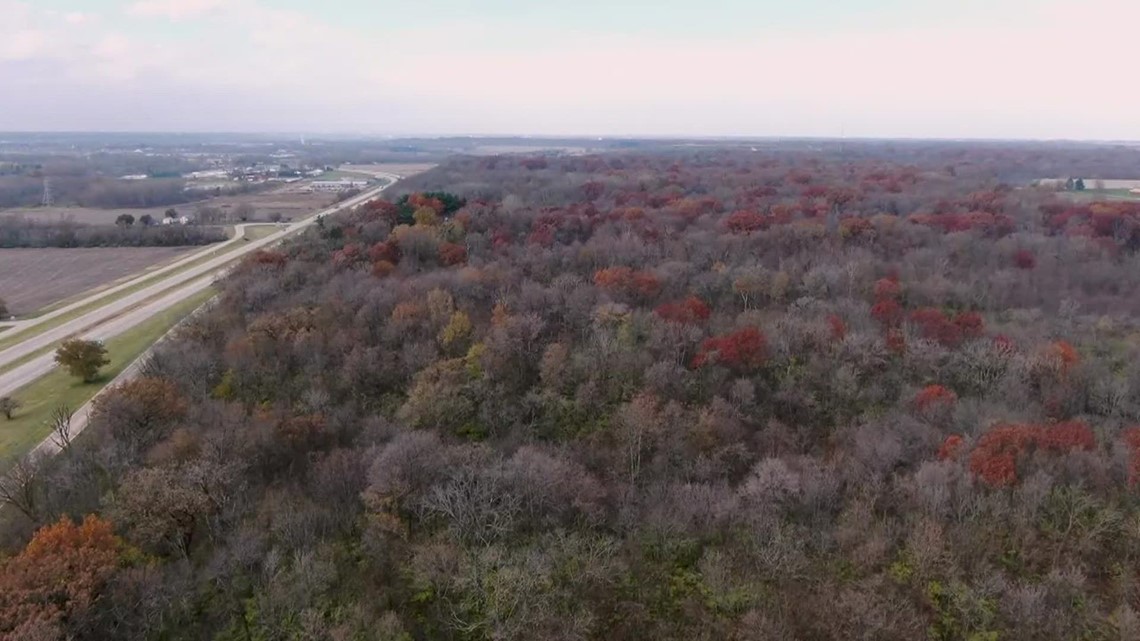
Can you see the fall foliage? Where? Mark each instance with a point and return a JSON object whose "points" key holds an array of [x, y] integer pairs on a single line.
{"points": [[58, 576], [744, 349], [679, 393]]}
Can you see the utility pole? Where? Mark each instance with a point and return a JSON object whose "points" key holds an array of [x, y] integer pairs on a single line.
{"points": [[47, 201]]}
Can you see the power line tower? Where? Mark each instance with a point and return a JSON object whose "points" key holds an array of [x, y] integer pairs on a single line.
{"points": [[47, 201]]}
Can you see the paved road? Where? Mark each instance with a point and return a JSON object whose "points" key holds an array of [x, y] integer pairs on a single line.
{"points": [[20, 325], [78, 423], [39, 366], [96, 317], [28, 372]]}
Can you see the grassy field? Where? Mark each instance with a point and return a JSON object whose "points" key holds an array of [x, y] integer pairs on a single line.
{"points": [[1102, 194], [257, 232], [30, 424]]}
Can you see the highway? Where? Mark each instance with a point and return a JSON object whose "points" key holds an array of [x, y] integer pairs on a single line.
{"points": [[21, 325], [123, 314], [33, 369], [39, 366]]}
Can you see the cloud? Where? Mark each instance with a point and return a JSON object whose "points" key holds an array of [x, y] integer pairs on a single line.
{"points": [[174, 9], [1029, 78], [23, 45], [1003, 77]]}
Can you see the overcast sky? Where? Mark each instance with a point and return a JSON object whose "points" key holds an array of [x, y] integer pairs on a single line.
{"points": [[907, 68]]}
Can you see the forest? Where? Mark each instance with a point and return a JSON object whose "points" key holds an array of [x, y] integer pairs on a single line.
{"points": [[82, 191], [872, 393]]}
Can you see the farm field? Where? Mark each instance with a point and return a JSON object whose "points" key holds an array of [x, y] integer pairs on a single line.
{"points": [[287, 201], [252, 233], [34, 278]]}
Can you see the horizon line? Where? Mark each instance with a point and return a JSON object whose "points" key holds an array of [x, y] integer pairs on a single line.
{"points": [[579, 136]]}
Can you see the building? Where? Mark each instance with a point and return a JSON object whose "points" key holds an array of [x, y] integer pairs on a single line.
{"points": [[337, 185], [181, 220]]}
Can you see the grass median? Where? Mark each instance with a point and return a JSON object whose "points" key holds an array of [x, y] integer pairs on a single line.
{"points": [[257, 232], [13, 364], [31, 423]]}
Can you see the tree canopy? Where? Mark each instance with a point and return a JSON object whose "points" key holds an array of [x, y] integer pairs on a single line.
{"points": [[715, 393]]}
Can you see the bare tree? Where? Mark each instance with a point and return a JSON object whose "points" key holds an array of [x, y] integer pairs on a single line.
{"points": [[207, 215], [244, 212], [20, 486], [61, 427], [476, 505]]}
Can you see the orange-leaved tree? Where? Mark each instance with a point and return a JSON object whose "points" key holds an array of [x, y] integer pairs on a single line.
{"points": [[57, 577]]}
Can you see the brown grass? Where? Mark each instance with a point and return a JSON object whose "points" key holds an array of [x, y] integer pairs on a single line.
{"points": [[33, 278]]}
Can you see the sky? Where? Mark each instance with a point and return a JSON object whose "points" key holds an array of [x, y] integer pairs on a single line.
{"points": [[829, 68]]}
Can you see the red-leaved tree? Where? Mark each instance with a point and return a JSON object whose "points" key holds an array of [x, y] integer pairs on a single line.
{"points": [[933, 397], [996, 456], [690, 311], [741, 350], [951, 448], [637, 284]]}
